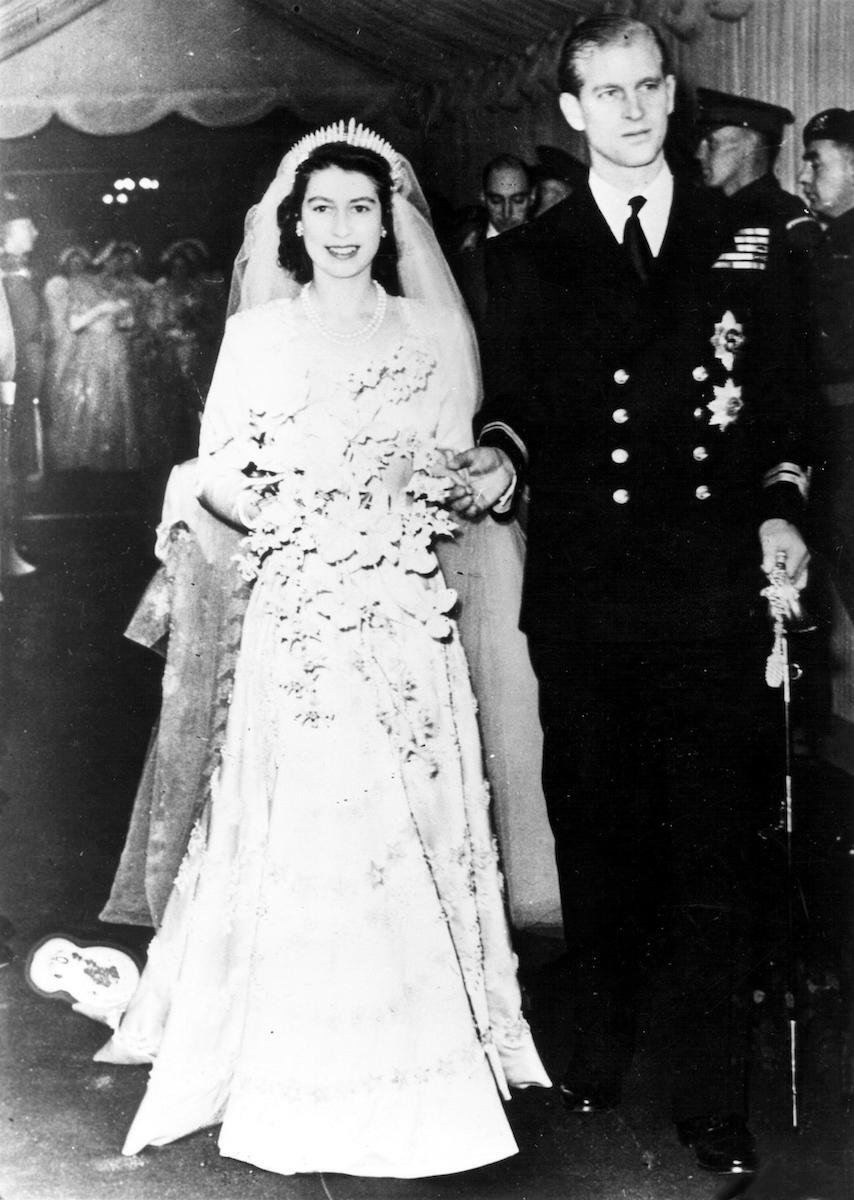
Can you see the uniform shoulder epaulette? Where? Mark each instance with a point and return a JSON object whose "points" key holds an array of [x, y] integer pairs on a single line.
{"points": [[803, 232]]}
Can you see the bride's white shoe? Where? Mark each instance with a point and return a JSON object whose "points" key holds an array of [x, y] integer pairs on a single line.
{"points": [[97, 979]]}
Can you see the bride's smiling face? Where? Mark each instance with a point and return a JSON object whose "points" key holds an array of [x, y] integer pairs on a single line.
{"points": [[342, 222]]}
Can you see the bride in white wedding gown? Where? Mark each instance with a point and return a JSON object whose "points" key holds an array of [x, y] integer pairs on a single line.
{"points": [[333, 981]]}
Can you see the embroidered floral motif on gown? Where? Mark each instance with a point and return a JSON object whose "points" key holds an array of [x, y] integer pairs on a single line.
{"points": [[333, 980]]}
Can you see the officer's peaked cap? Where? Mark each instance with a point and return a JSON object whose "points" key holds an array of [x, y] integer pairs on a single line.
{"points": [[715, 109]]}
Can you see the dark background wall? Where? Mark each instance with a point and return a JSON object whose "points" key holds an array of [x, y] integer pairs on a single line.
{"points": [[208, 178]]}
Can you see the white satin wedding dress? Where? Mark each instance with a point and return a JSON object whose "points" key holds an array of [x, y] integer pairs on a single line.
{"points": [[333, 981]]}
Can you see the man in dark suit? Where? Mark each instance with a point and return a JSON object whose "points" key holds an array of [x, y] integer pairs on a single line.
{"points": [[657, 437], [509, 195], [18, 236], [19, 459]]}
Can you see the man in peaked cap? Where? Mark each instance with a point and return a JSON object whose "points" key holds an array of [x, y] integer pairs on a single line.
{"points": [[774, 234], [827, 180], [740, 139], [722, 111]]}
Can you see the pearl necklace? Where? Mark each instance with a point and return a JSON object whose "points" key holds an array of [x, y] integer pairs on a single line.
{"points": [[357, 335]]}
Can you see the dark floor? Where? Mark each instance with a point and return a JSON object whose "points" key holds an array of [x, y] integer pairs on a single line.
{"points": [[78, 702]]}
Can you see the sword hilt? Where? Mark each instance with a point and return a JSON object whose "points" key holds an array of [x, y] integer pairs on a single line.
{"points": [[782, 595]]}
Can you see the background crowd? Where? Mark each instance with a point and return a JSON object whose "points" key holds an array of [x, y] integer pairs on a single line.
{"points": [[116, 356]]}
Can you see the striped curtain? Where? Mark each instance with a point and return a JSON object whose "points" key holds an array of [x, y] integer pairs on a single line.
{"points": [[798, 53]]}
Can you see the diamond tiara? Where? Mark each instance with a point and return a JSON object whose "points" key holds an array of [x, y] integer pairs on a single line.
{"points": [[354, 135]]}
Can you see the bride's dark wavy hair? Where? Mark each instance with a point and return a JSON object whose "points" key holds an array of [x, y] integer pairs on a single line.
{"points": [[292, 253]]}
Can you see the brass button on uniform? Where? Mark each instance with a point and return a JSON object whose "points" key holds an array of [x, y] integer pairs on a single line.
{"points": [[619, 456], [620, 416], [621, 376], [699, 413], [702, 492], [621, 496], [700, 453]]}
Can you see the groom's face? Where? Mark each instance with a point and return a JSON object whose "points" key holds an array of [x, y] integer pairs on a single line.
{"points": [[623, 104]]}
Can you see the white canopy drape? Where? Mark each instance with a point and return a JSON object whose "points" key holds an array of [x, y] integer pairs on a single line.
{"points": [[125, 64]]}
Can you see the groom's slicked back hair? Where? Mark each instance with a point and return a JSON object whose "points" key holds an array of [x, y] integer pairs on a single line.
{"points": [[599, 32]]}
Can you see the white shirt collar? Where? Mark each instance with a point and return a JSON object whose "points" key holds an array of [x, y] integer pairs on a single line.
{"points": [[614, 206], [491, 231]]}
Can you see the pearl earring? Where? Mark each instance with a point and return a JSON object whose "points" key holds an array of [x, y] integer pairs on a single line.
{"points": [[383, 232], [299, 229]]}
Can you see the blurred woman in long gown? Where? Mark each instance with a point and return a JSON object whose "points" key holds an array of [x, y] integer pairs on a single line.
{"points": [[333, 980], [73, 262], [93, 420], [186, 312], [120, 263]]}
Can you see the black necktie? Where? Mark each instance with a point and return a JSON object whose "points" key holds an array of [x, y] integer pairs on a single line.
{"points": [[637, 247]]}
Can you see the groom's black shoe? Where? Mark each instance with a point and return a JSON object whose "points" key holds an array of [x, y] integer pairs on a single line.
{"points": [[582, 1095], [722, 1145]]}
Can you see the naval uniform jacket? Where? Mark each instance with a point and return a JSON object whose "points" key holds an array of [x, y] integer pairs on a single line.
{"points": [[652, 427], [766, 210], [775, 238], [832, 429], [833, 309]]}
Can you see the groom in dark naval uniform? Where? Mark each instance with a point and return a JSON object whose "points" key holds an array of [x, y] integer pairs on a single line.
{"points": [[636, 398]]}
